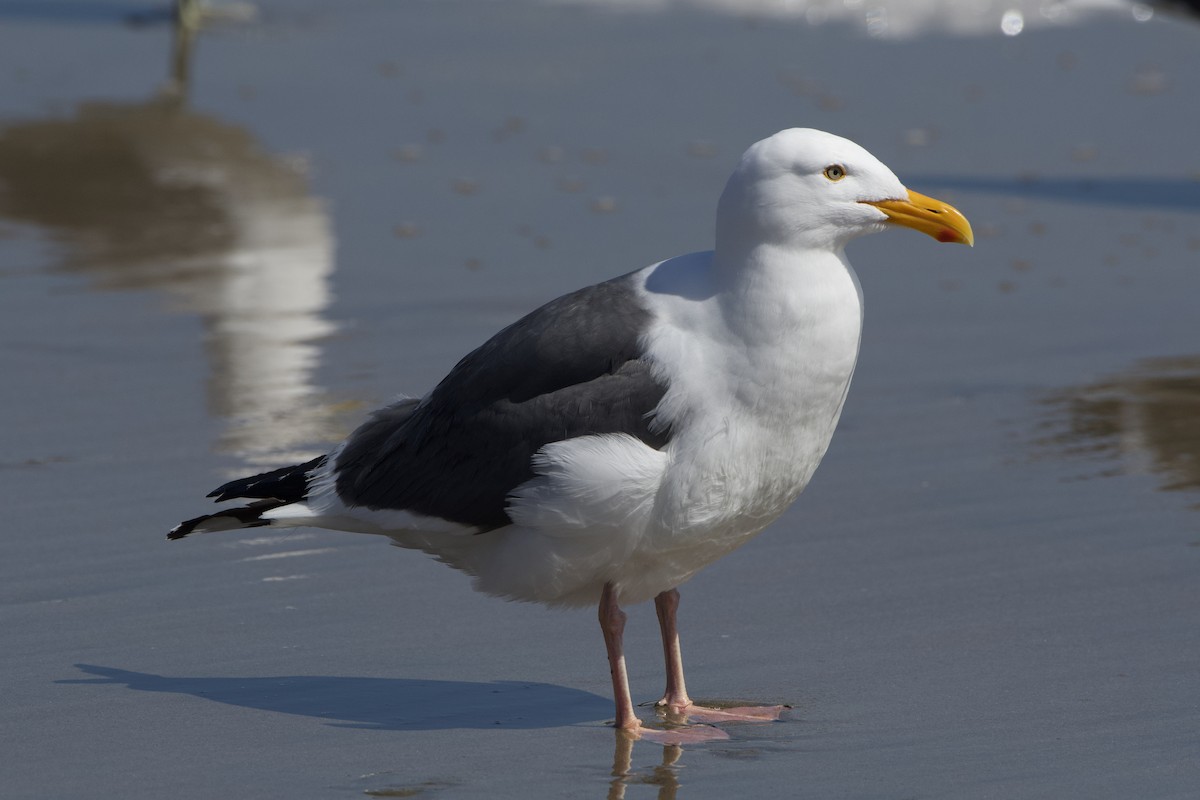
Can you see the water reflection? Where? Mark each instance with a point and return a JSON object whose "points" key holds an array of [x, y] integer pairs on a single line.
{"points": [[153, 195], [1146, 420], [902, 19], [665, 775]]}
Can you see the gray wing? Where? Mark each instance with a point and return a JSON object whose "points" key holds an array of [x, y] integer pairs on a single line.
{"points": [[573, 367]]}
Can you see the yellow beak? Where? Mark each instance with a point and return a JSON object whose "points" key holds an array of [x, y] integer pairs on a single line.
{"points": [[940, 220]]}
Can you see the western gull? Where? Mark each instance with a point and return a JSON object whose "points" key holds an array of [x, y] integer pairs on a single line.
{"points": [[606, 447]]}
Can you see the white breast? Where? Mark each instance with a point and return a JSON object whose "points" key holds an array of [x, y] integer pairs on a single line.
{"points": [[758, 374]]}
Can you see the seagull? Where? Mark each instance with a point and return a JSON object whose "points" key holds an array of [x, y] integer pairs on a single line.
{"points": [[603, 449]]}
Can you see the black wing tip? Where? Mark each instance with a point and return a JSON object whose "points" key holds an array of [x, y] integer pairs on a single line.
{"points": [[183, 529], [247, 516]]}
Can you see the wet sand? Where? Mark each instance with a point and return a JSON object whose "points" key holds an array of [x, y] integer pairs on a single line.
{"points": [[989, 590]]}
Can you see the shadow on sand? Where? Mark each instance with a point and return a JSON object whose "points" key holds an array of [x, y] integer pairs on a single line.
{"points": [[380, 703]]}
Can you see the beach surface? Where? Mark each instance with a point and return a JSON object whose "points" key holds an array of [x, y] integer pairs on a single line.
{"points": [[218, 253]]}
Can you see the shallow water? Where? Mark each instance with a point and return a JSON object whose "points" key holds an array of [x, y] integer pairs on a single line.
{"points": [[989, 589]]}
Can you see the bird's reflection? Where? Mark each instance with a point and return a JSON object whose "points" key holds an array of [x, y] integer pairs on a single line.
{"points": [[153, 195], [1145, 420], [665, 775]]}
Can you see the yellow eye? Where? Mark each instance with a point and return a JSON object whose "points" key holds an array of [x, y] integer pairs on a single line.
{"points": [[835, 172]]}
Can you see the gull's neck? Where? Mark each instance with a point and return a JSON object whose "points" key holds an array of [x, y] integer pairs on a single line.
{"points": [[767, 291]]}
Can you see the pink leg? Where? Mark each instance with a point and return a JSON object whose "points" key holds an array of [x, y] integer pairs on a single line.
{"points": [[612, 624], [675, 699]]}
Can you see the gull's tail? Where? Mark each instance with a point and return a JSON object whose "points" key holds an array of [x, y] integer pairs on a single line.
{"points": [[267, 491]]}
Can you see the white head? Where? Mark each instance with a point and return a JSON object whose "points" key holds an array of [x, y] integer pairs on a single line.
{"points": [[807, 189]]}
